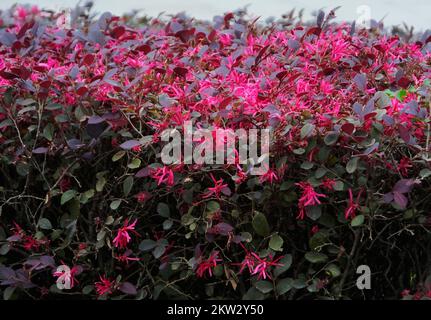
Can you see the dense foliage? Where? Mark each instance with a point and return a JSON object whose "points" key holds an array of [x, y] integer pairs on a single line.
{"points": [[82, 106]]}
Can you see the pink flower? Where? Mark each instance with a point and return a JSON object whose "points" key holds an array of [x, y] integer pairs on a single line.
{"points": [[248, 262], [123, 237], [309, 196], [143, 196], [218, 188], [125, 257], [105, 286], [352, 206], [404, 165], [68, 277], [240, 177], [163, 175], [207, 265], [263, 264], [136, 148], [328, 184], [269, 176], [21, 12], [258, 265]]}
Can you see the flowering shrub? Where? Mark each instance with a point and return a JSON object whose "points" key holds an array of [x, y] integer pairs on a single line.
{"points": [[82, 108]]}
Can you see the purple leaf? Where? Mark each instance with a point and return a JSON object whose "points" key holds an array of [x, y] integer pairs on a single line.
{"points": [[75, 144], [404, 134], [130, 144], [108, 75], [6, 273], [226, 191], [95, 120], [361, 81], [144, 172], [320, 18], [404, 185], [40, 150], [128, 288], [47, 261], [221, 228], [95, 130], [14, 238], [358, 108], [293, 44], [400, 199], [371, 148], [388, 197], [7, 38], [411, 107]]}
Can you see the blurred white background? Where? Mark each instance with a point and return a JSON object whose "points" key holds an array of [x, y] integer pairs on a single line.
{"points": [[413, 12]]}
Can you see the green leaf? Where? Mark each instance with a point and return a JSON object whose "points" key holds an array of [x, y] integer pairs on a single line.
{"points": [[260, 225], [313, 287], [313, 212], [127, 185], [62, 118], [339, 185], [67, 196], [88, 289], [136, 163], [187, 219], [401, 94], [109, 220], [352, 165], [316, 257], [115, 204], [264, 286], [299, 151], [334, 270], [8, 292], [147, 245], [276, 243], [306, 130], [45, 224], [163, 210], [4, 249], [213, 206], [26, 109], [320, 173], [79, 114], [285, 262], [118, 155], [284, 285], [54, 106], [101, 235], [48, 131], [100, 184], [331, 138], [253, 294], [158, 251], [425, 173], [25, 102], [357, 221], [167, 224], [23, 169], [87, 195], [318, 239], [409, 214], [6, 123], [307, 165], [299, 283]]}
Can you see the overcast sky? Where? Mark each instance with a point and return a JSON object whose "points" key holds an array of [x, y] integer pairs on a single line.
{"points": [[413, 12]]}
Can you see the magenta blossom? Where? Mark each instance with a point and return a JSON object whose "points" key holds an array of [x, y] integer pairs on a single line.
{"points": [[123, 237]]}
